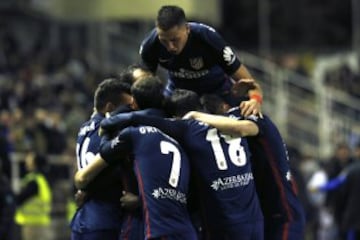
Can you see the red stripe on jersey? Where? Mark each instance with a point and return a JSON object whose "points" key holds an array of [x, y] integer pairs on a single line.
{"points": [[276, 173], [285, 233], [145, 208]]}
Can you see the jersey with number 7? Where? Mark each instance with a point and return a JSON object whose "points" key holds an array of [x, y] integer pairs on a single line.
{"points": [[223, 169], [162, 171]]}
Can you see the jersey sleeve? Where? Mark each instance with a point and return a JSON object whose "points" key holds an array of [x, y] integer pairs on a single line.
{"points": [[223, 52], [173, 128], [148, 52], [260, 122], [116, 122], [113, 150], [120, 121]]}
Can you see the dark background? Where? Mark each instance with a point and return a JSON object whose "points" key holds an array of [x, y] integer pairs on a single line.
{"points": [[320, 25]]}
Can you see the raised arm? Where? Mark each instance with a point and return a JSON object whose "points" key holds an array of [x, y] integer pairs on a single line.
{"points": [[246, 85], [173, 128], [230, 126], [111, 151]]}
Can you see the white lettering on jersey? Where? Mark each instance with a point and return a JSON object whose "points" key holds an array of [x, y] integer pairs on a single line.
{"points": [[169, 193], [87, 128], [232, 181], [148, 129], [188, 74]]}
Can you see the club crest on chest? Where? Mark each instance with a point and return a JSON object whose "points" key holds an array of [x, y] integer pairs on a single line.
{"points": [[196, 63]]}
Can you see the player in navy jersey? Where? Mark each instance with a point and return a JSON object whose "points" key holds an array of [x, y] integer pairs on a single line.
{"points": [[225, 185], [283, 212], [99, 217], [197, 58], [160, 164]]}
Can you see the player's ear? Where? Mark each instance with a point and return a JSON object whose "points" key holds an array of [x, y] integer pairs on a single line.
{"points": [[109, 107], [187, 28], [133, 104], [225, 107]]}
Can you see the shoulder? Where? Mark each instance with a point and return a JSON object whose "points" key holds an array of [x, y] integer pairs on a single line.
{"points": [[91, 125], [150, 41], [209, 37], [201, 28], [204, 32]]}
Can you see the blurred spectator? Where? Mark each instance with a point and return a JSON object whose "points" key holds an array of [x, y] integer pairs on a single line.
{"points": [[344, 78], [7, 208], [322, 225], [347, 182], [338, 162], [5, 143], [340, 159], [34, 200]]}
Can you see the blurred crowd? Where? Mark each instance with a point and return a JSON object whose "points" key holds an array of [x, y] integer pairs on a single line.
{"points": [[45, 95], [344, 79]]}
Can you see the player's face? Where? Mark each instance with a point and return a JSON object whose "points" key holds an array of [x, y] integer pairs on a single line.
{"points": [[175, 38]]}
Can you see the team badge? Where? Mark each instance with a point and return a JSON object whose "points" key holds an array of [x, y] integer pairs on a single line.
{"points": [[196, 63]]}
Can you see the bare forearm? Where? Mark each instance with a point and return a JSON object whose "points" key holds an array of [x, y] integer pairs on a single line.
{"points": [[226, 125], [84, 176]]}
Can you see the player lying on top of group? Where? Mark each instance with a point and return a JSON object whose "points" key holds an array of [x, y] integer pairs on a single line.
{"points": [[197, 58]]}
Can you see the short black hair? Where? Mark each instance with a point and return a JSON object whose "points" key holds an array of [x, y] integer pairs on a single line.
{"points": [[212, 103], [182, 101], [127, 75], [110, 90], [148, 92], [170, 16]]}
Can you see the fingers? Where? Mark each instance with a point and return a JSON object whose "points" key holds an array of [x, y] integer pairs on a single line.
{"points": [[247, 80], [250, 107], [241, 87], [190, 115], [129, 200]]}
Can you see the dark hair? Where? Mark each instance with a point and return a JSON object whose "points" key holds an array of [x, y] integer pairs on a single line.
{"points": [[128, 74], [170, 16], [110, 90], [182, 101], [212, 103], [148, 92]]}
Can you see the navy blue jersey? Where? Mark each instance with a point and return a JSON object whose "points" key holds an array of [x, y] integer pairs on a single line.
{"points": [[270, 161], [202, 66], [102, 210], [221, 164], [162, 170]]}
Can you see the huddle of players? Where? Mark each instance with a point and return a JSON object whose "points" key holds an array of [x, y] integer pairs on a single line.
{"points": [[193, 180]]}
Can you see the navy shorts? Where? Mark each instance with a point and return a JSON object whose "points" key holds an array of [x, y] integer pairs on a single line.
{"points": [[276, 230], [132, 228], [96, 235], [245, 231]]}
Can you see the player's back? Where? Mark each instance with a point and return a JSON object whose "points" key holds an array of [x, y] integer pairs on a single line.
{"points": [[102, 209], [162, 170], [231, 209], [271, 167], [224, 171]]}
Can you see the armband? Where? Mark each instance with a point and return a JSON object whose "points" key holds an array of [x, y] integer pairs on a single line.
{"points": [[256, 97]]}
